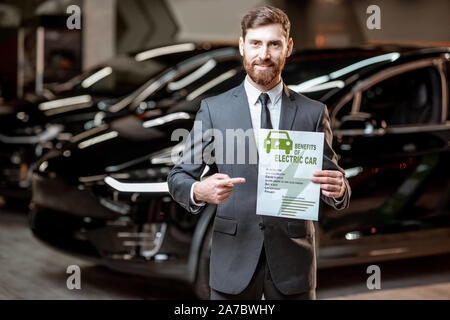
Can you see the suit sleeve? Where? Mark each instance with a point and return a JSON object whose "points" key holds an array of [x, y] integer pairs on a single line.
{"points": [[330, 160], [192, 162]]}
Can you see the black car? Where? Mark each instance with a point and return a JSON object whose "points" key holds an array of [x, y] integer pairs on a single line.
{"points": [[105, 195], [89, 100]]}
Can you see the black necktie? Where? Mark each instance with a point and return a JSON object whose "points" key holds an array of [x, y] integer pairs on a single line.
{"points": [[265, 114]]}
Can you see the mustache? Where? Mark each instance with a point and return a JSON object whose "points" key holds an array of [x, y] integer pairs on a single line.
{"points": [[264, 63]]}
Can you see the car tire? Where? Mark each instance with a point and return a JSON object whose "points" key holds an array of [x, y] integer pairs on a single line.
{"points": [[201, 285]]}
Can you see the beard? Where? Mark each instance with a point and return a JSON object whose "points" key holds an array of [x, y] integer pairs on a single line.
{"points": [[264, 77]]}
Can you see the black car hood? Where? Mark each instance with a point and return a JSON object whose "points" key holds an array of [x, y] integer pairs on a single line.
{"points": [[124, 144]]}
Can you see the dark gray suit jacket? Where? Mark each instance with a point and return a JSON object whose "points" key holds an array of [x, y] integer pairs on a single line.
{"points": [[238, 236]]}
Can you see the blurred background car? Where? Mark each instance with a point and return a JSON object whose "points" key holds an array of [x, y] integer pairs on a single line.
{"points": [[104, 195], [40, 123]]}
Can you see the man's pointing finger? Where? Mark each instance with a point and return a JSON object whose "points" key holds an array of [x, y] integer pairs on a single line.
{"points": [[229, 183], [236, 180]]}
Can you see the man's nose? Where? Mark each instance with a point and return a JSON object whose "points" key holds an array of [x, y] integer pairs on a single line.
{"points": [[264, 52]]}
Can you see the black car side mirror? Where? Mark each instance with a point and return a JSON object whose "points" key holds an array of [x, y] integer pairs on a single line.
{"points": [[363, 121]]}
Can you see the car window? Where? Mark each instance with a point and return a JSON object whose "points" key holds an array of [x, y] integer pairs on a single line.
{"points": [[409, 98], [343, 111], [126, 75], [300, 69], [278, 135]]}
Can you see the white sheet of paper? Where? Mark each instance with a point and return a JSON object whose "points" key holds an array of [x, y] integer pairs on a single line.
{"points": [[287, 161]]}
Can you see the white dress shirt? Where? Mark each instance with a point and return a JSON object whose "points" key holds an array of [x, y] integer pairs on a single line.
{"points": [[274, 105]]}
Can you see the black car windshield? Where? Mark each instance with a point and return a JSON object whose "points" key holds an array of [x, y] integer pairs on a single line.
{"points": [[127, 72], [122, 75], [219, 70], [315, 74], [183, 78]]}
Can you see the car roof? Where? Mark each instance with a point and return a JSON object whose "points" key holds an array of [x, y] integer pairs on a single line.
{"points": [[405, 53], [351, 64]]}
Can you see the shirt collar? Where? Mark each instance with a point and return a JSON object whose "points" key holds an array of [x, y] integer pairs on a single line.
{"points": [[254, 93]]}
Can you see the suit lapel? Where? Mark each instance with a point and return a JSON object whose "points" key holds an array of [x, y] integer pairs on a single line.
{"points": [[241, 119], [288, 109], [240, 111]]}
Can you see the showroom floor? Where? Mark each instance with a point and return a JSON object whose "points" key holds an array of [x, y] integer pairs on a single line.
{"points": [[31, 270]]}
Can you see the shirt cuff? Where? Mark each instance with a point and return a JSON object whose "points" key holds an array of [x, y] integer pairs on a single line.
{"points": [[338, 202], [195, 206]]}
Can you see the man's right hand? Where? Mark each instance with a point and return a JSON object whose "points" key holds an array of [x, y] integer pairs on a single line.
{"points": [[216, 188]]}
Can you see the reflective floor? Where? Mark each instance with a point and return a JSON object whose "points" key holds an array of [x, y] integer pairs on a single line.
{"points": [[31, 270]]}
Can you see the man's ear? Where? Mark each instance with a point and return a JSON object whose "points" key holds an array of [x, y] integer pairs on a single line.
{"points": [[290, 46], [241, 46]]}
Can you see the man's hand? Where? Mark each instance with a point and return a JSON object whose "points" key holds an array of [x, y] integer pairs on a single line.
{"points": [[216, 188], [331, 183]]}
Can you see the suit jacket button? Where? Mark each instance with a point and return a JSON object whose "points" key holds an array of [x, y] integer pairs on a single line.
{"points": [[261, 226]]}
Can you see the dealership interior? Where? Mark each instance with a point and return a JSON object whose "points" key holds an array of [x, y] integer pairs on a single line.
{"points": [[92, 91]]}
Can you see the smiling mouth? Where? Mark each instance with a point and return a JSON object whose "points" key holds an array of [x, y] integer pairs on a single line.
{"points": [[263, 67]]}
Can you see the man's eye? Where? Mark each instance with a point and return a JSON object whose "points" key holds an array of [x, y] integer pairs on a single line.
{"points": [[275, 45]]}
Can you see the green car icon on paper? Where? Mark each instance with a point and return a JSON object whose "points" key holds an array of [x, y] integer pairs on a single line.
{"points": [[278, 140]]}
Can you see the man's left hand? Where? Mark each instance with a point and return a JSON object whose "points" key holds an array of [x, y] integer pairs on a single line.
{"points": [[331, 183]]}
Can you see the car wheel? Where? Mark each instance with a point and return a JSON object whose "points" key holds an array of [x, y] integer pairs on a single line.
{"points": [[201, 285]]}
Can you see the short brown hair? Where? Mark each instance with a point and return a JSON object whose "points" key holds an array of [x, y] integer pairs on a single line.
{"points": [[263, 16]]}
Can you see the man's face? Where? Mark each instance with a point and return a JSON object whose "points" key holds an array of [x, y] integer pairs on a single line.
{"points": [[264, 53]]}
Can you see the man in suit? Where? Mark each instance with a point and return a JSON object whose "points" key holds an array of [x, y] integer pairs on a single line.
{"points": [[252, 254]]}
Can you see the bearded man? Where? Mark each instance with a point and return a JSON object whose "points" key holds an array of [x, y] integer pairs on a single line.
{"points": [[254, 255]]}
